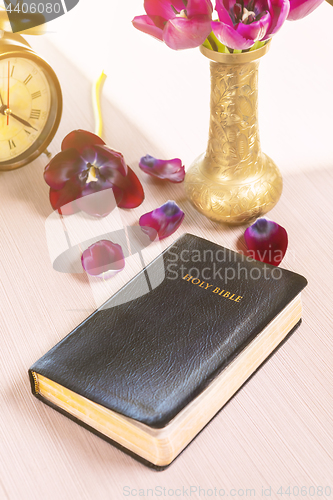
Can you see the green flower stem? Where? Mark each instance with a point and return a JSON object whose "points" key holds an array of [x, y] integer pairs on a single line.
{"points": [[212, 42]]}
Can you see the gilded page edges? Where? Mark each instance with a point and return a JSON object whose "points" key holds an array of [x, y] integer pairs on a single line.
{"points": [[34, 382]]}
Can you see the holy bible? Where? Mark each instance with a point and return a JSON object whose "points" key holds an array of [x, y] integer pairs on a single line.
{"points": [[153, 365]]}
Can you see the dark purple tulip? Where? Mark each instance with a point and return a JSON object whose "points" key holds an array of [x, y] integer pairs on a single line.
{"points": [[171, 170], [242, 24], [302, 8], [181, 24], [86, 166], [103, 259], [266, 241], [162, 221]]}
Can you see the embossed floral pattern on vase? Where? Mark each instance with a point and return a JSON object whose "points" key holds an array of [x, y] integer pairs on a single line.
{"points": [[233, 181]]}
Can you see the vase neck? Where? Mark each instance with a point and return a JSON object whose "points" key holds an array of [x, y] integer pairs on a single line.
{"points": [[233, 144]]}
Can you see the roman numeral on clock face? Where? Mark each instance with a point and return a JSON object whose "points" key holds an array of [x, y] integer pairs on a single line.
{"points": [[27, 80], [36, 94], [29, 105], [35, 114]]}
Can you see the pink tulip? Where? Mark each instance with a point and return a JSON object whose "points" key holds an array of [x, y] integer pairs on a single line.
{"points": [[86, 166], [242, 24], [181, 24]]}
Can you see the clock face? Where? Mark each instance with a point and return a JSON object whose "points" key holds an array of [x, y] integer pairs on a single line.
{"points": [[30, 108]]}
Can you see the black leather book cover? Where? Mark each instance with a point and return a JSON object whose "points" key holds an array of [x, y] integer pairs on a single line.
{"points": [[158, 342]]}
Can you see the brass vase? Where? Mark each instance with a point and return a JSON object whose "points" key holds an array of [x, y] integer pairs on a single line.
{"points": [[233, 182]]}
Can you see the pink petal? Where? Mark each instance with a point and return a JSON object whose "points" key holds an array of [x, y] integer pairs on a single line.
{"points": [[146, 25], [131, 190], [279, 10], [109, 161], [162, 10], [223, 9], [258, 6], [171, 170], [162, 221], [103, 259], [79, 139], [69, 209], [67, 194], [181, 33], [302, 8], [63, 167], [256, 30], [97, 199], [199, 7], [230, 37], [266, 241], [89, 154]]}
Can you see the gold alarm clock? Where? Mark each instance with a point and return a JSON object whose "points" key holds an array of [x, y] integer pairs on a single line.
{"points": [[30, 102]]}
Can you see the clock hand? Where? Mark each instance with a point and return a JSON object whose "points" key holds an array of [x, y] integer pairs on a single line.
{"points": [[8, 91], [2, 103], [24, 122], [3, 110]]}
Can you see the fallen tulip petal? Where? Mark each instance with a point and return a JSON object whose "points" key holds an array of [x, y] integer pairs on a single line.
{"points": [[162, 221], [171, 170], [103, 259], [266, 241]]}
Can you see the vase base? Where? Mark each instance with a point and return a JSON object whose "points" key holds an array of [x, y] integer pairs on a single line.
{"points": [[233, 201]]}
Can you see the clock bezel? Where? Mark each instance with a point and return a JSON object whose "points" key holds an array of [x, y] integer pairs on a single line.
{"points": [[40, 145]]}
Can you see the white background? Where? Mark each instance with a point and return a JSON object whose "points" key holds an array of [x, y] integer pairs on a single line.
{"points": [[166, 92]]}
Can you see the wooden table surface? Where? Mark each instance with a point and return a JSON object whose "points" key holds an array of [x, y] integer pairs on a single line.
{"points": [[276, 432]]}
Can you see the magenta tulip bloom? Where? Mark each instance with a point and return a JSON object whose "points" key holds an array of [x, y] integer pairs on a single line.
{"points": [[162, 221], [181, 24], [171, 170], [242, 24], [266, 241], [86, 166], [301, 8], [103, 259]]}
